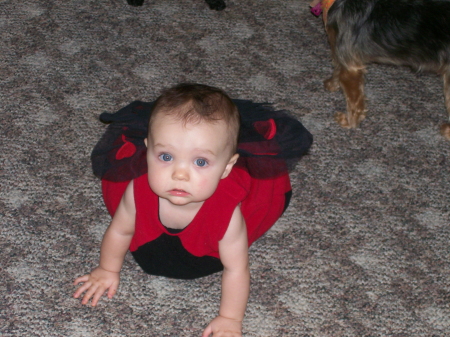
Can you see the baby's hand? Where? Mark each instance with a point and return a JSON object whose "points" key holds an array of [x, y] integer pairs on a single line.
{"points": [[95, 284], [223, 327]]}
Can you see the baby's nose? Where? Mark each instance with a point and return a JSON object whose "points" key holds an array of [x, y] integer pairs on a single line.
{"points": [[180, 173]]}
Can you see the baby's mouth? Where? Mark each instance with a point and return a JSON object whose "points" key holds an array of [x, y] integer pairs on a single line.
{"points": [[178, 192]]}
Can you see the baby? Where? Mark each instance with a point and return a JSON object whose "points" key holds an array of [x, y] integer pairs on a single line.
{"points": [[195, 212]]}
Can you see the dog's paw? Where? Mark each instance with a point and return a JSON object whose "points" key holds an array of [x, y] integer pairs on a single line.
{"points": [[349, 121], [445, 130], [341, 119], [331, 84]]}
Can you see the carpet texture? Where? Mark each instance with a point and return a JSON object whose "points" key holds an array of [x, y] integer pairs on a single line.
{"points": [[363, 250]]}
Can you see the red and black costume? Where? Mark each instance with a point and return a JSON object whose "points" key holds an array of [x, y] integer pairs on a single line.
{"points": [[259, 183]]}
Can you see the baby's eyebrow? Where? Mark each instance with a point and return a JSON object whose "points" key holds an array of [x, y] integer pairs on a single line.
{"points": [[162, 145], [207, 151], [196, 150]]}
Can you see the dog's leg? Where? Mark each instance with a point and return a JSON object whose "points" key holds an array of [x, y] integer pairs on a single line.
{"points": [[332, 84], [352, 83], [445, 128]]}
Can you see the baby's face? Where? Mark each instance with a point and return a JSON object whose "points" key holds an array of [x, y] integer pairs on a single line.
{"points": [[186, 162]]}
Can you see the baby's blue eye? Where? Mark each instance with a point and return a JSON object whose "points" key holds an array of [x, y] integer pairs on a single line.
{"points": [[165, 157], [201, 162]]}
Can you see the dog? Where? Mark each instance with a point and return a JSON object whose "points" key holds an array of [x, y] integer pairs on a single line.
{"points": [[414, 33], [218, 5]]}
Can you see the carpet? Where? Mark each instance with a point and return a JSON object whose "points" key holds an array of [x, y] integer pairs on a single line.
{"points": [[363, 249]]}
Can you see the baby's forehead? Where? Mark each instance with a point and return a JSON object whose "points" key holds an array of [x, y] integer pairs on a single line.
{"points": [[167, 129], [174, 118]]}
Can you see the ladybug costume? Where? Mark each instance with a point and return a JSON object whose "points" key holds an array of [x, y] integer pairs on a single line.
{"points": [[269, 142]]}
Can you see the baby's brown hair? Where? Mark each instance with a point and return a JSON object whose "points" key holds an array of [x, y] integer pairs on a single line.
{"points": [[204, 103]]}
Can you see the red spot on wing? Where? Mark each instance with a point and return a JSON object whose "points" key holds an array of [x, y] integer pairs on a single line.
{"points": [[267, 129]]}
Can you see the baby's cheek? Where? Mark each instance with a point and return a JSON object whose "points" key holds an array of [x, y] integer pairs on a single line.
{"points": [[203, 183], [207, 185], [156, 178]]}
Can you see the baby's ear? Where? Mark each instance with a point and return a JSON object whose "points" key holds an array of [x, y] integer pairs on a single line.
{"points": [[230, 165], [145, 142]]}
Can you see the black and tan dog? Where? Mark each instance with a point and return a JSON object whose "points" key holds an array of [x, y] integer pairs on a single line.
{"points": [[414, 33]]}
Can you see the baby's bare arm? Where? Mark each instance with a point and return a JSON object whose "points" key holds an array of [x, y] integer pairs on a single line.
{"points": [[233, 250], [115, 244], [117, 238]]}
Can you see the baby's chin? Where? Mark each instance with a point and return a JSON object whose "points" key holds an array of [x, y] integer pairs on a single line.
{"points": [[179, 201]]}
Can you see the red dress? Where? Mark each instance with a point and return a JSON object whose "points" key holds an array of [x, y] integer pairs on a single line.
{"points": [[259, 183]]}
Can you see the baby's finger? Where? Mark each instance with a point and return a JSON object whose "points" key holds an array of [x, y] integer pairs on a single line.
{"points": [[98, 293], [112, 290], [89, 293], [207, 331], [81, 279], [82, 289]]}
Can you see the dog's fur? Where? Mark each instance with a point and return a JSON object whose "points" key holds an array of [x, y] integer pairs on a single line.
{"points": [[218, 5], [415, 33]]}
